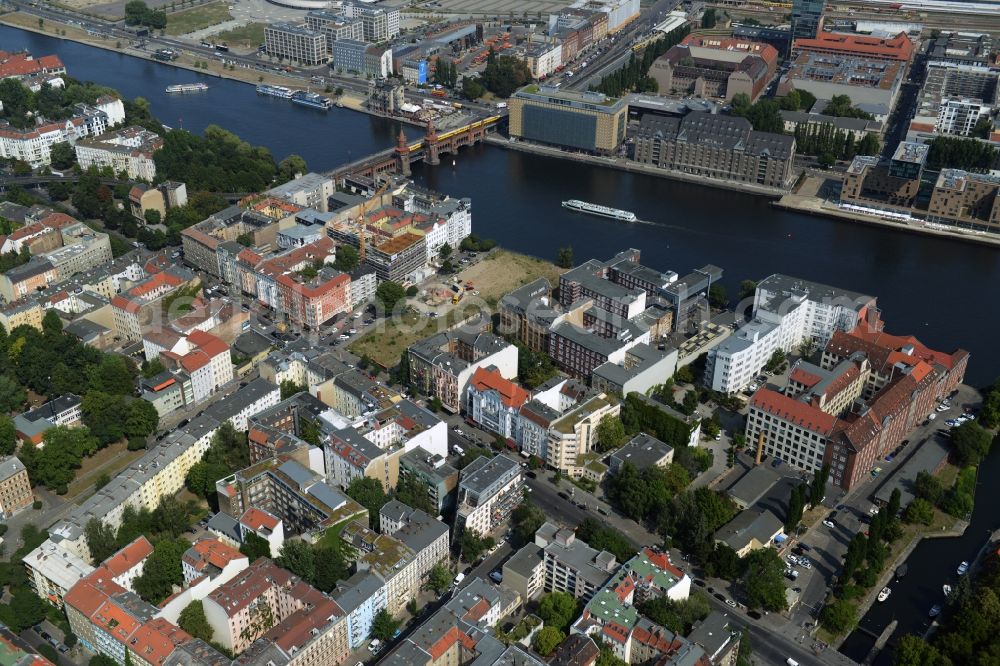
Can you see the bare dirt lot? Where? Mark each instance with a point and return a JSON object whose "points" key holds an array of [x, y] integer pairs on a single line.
{"points": [[494, 276]]}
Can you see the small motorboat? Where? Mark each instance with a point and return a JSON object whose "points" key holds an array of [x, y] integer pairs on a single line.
{"points": [[962, 568], [884, 594], [947, 590], [935, 611]]}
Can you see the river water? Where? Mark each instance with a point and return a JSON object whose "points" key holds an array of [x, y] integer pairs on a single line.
{"points": [[935, 289]]}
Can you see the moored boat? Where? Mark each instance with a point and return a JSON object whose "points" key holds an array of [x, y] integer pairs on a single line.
{"points": [[274, 91], [884, 594]]}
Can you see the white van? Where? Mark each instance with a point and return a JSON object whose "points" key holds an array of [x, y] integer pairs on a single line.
{"points": [[791, 662]]}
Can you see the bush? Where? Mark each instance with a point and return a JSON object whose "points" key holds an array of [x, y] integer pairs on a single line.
{"points": [[37, 505]]}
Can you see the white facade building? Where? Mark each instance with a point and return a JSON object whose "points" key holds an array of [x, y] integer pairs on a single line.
{"points": [[787, 312]]}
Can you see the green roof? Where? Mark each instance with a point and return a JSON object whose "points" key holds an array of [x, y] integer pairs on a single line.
{"points": [[567, 424]]}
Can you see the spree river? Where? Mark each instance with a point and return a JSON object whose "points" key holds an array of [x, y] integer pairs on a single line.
{"points": [[935, 289]]}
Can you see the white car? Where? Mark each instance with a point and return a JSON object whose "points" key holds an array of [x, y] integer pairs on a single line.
{"points": [[829, 523]]}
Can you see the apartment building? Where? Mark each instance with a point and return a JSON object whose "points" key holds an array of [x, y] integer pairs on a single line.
{"points": [[434, 473], [582, 120], [642, 452], [83, 250], [22, 65], [542, 58], [573, 437], [379, 23], [204, 358], [965, 199], [527, 313], [578, 351], [259, 599], [715, 146], [886, 184], [443, 364], [24, 280], [34, 145], [349, 54], [334, 25], [53, 571], [787, 311], [489, 489], [571, 565], [295, 42], [129, 150], [141, 305], [15, 487], [63, 410], [593, 280], [208, 557], [611, 611], [881, 400], [494, 402], [286, 489], [954, 97]]}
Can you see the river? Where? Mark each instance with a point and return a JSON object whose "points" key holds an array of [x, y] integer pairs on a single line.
{"points": [[925, 286]]}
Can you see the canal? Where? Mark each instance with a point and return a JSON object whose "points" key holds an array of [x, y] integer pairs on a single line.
{"points": [[935, 289]]}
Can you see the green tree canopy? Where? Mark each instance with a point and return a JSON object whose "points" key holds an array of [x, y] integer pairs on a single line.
{"points": [[192, 620], [390, 293], [368, 493], [162, 570], [558, 609], [547, 640], [384, 625], [255, 546]]}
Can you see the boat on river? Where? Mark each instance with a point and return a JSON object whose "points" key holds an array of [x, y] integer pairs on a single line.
{"points": [[600, 211], [884, 594], [187, 88]]}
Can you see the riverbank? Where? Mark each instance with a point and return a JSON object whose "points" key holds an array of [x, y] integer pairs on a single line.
{"points": [[348, 99], [630, 166], [817, 206]]}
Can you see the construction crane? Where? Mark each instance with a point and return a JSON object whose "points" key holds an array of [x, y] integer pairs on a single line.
{"points": [[361, 219]]}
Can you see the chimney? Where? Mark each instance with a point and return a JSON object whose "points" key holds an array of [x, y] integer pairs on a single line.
{"points": [[760, 447]]}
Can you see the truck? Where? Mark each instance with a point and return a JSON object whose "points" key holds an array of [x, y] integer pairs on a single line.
{"points": [[439, 93]]}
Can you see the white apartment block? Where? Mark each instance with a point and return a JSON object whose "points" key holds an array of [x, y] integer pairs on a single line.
{"points": [[574, 434], [787, 311], [542, 59], [34, 145], [295, 42], [52, 571], [961, 115], [489, 489], [379, 24], [129, 150]]}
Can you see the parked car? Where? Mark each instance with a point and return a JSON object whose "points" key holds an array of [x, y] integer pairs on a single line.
{"points": [[829, 523]]}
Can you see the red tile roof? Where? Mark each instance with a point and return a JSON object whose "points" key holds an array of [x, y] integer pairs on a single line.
{"points": [[662, 561], [765, 51], [156, 639], [128, 557], [22, 64], [125, 304], [896, 48], [801, 376], [211, 551], [257, 519], [793, 411], [490, 379]]}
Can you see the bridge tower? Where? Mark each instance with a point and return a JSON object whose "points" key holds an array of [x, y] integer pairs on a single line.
{"points": [[403, 154], [431, 145]]}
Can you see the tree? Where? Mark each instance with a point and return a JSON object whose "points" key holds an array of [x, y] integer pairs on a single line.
{"points": [[826, 160], [192, 620], [776, 360], [919, 511], [725, 563], [141, 418], [708, 18], [796, 504], [915, 651], [412, 492], [290, 388], [558, 609], [817, 489], [12, 395], [472, 545], [114, 375], [101, 660], [8, 435], [547, 640], [564, 259], [62, 154], [971, 442], [331, 567], [346, 258], [504, 74], [291, 167], [389, 293], [440, 577], [677, 616], [717, 296], [384, 626], [527, 518], [298, 557], [604, 537], [748, 288], [840, 106], [839, 617], [928, 487], [610, 433], [255, 546], [472, 88], [368, 493], [763, 581], [162, 570]]}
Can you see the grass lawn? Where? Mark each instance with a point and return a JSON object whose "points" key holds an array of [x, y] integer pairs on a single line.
{"points": [[109, 460], [386, 344], [249, 36], [504, 271], [189, 20]]}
